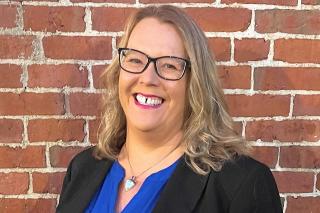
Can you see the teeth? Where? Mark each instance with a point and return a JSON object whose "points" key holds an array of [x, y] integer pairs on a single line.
{"points": [[149, 101]]}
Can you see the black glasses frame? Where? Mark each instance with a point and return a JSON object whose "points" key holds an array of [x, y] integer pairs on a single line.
{"points": [[154, 60]]}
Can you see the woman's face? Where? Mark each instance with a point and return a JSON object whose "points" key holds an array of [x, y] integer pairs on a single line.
{"points": [[165, 111]]}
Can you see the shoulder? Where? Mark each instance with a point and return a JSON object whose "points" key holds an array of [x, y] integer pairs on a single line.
{"points": [[84, 175], [242, 167], [245, 180], [84, 162], [242, 185], [241, 170], [85, 156]]}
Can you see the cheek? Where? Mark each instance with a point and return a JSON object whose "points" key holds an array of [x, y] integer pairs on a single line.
{"points": [[125, 82], [122, 88], [179, 95]]}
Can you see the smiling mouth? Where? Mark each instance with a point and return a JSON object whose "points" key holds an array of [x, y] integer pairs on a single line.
{"points": [[148, 101]]}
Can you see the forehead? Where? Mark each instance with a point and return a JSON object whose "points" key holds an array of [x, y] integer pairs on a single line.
{"points": [[156, 38]]}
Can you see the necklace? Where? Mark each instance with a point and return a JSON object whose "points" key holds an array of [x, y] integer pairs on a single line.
{"points": [[131, 182]]}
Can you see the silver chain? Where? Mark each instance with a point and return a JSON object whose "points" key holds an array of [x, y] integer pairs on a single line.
{"points": [[162, 159]]}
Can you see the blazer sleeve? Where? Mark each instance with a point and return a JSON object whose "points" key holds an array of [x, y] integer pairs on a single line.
{"points": [[66, 181], [257, 194]]}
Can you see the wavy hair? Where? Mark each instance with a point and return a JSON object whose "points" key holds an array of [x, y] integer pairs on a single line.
{"points": [[208, 129]]}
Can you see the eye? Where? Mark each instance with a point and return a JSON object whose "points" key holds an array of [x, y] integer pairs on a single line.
{"points": [[134, 60], [169, 66]]}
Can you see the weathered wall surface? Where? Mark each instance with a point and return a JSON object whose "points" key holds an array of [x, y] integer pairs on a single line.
{"points": [[52, 52]]}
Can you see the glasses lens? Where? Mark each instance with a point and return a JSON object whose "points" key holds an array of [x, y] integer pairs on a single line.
{"points": [[171, 68], [132, 61]]}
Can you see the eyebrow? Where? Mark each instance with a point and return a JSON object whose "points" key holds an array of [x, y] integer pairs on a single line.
{"points": [[166, 55]]}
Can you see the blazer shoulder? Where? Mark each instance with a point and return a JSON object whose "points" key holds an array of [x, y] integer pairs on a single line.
{"points": [[239, 171], [85, 156], [84, 161], [242, 163], [84, 176]]}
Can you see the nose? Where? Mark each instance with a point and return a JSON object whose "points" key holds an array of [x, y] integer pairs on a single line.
{"points": [[149, 75]]}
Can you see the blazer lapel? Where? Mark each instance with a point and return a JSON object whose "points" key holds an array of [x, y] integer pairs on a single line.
{"points": [[182, 191], [88, 186]]}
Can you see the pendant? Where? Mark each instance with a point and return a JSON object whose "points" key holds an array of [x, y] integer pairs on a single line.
{"points": [[130, 183]]}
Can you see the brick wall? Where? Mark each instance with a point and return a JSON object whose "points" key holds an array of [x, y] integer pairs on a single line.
{"points": [[52, 52]]}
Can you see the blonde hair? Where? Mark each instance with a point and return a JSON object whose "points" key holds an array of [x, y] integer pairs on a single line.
{"points": [[208, 129]]}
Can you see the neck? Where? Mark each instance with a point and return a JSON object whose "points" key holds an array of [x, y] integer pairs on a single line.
{"points": [[146, 148], [149, 141]]}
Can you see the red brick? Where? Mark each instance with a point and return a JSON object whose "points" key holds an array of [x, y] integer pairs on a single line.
{"points": [[55, 130], [85, 103], [30, 157], [27, 205], [294, 182], [47, 182], [105, 1], [274, 2], [258, 105], [31, 104], [221, 19], [52, 19], [118, 39], [96, 73], [62, 75], [235, 77], [61, 156], [11, 131], [34, 0], [300, 157], [286, 78], [306, 105], [93, 131], [266, 155], [313, 2], [297, 50], [221, 48], [287, 131], [10, 76], [288, 21], [14, 183], [237, 126], [12, 47], [251, 50], [303, 204], [8, 14], [77, 47], [110, 19], [175, 1]]}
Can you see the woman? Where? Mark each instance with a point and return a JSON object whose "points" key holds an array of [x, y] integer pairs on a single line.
{"points": [[166, 143]]}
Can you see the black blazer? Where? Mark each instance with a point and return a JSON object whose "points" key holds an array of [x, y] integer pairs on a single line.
{"points": [[242, 186]]}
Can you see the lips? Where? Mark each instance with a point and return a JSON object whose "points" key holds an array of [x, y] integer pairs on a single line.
{"points": [[148, 100]]}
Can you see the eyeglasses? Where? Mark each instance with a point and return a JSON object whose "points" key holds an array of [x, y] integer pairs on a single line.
{"points": [[167, 67]]}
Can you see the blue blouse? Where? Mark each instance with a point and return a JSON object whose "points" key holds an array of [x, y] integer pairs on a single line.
{"points": [[143, 201]]}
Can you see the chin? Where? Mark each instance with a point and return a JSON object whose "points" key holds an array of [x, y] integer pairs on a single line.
{"points": [[145, 127]]}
